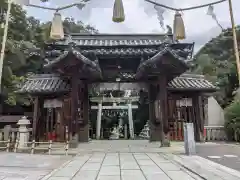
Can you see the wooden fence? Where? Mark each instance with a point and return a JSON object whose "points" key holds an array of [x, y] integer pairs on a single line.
{"points": [[9, 142]]}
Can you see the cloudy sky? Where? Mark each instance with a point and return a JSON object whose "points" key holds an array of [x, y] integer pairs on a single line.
{"points": [[141, 17]]}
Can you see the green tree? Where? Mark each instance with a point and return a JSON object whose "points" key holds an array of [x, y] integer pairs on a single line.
{"points": [[232, 123], [25, 34], [217, 62], [18, 43]]}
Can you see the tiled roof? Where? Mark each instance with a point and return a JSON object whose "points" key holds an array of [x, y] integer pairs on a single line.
{"points": [[44, 83], [117, 39], [151, 62], [191, 82], [51, 83], [76, 54], [121, 51]]}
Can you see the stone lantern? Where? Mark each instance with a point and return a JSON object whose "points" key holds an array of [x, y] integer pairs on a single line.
{"points": [[23, 131]]}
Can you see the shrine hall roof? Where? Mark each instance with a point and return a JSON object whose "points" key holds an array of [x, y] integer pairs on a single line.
{"points": [[52, 83], [117, 39], [118, 44]]}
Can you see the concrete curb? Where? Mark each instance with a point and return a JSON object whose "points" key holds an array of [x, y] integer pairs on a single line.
{"points": [[184, 166]]}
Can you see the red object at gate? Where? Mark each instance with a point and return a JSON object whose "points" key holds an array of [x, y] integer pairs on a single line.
{"points": [[205, 133], [54, 136], [51, 136]]}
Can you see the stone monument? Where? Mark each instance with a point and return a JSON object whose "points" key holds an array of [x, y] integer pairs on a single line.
{"points": [[114, 133], [144, 134]]}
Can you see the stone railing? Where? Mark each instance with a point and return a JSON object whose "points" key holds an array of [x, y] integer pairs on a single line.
{"points": [[214, 133]]}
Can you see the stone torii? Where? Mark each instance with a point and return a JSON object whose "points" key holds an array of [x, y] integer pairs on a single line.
{"points": [[114, 100]]}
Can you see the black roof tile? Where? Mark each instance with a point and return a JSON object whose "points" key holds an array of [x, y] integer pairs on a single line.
{"points": [[51, 83]]}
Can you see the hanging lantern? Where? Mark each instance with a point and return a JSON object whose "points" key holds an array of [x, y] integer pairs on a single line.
{"points": [[118, 12], [21, 2], [57, 27], [179, 28]]}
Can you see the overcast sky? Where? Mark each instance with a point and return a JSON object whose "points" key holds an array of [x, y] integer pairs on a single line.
{"points": [[141, 17]]}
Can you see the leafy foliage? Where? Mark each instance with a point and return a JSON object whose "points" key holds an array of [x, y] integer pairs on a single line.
{"points": [[232, 123], [216, 60], [25, 34]]}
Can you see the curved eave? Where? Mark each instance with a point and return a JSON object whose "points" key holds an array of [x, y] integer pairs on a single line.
{"points": [[44, 84], [72, 58], [44, 93], [158, 58], [184, 50]]}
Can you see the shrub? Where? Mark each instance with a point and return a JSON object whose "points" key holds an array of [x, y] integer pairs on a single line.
{"points": [[232, 120]]}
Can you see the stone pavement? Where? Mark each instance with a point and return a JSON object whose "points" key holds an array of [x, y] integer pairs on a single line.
{"points": [[123, 146], [121, 166], [15, 166], [117, 160]]}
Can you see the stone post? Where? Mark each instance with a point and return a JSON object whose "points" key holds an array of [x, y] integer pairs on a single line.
{"points": [[189, 140], [130, 121], [6, 132], [99, 119], [125, 131], [23, 132]]}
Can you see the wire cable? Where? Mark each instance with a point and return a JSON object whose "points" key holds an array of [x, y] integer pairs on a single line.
{"points": [[185, 9]]}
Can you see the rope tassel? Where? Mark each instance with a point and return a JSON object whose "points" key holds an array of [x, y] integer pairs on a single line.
{"points": [[118, 11], [179, 28]]}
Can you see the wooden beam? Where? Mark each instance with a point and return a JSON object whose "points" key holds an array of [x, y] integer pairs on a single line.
{"points": [[115, 107]]}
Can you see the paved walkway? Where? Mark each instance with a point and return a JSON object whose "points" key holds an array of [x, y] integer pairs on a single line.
{"points": [[131, 146], [121, 166], [15, 166], [114, 160]]}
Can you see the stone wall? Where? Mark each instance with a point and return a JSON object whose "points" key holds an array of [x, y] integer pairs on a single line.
{"points": [[215, 113]]}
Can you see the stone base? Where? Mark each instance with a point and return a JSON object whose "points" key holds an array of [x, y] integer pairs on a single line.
{"points": [[83, 133], [74, 141], [155, 133], [202, 138], [166, 141]]}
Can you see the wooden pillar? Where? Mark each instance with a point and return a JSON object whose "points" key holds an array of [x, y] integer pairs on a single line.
{"points": [[35, 117], [74, 94], [154, 125], [198, 117], [163, 112], [59, 125], [84, 125]]}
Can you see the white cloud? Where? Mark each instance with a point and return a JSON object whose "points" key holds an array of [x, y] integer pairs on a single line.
{"points": [[141, 17]]}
